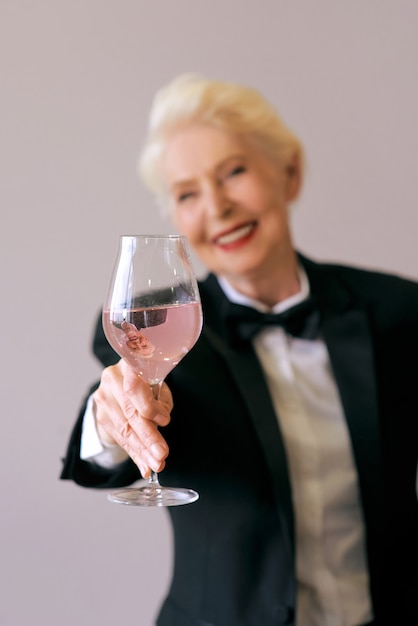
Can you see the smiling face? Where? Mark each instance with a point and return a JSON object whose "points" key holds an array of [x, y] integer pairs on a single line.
{"points": [[231, 200]]}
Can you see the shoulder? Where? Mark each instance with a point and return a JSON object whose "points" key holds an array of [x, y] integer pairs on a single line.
{"points": [[389, 293], [373, 285], [361, 280]]}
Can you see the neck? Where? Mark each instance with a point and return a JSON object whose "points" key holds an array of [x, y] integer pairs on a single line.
{"points": [[270, 287]]}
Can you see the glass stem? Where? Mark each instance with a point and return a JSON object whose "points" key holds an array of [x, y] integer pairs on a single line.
{"points": [[153, 479]]}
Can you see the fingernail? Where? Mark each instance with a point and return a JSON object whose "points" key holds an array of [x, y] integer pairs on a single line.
{"points": [[158, 451], [161, 419]]}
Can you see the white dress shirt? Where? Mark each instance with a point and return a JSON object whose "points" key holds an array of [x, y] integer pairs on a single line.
{"points": [[331, 567]]}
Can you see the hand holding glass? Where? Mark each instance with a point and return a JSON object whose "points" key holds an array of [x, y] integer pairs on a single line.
{"points": [[152, 317]]}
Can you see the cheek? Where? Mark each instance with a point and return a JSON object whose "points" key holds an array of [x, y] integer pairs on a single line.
{"points": [[260, 193], [261, 202], [188, 224], [271, 199]]}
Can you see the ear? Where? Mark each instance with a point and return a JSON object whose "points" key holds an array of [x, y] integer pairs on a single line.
{"points": [[293, 176]]}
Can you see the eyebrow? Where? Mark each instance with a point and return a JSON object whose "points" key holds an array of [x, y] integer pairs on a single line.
{"points": [[182, 183], [219, 166]]}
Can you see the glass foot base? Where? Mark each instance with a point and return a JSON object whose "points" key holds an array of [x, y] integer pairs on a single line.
{"points": [[153, 496]]}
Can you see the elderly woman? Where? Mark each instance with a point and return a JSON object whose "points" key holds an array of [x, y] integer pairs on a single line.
{"points": [[298, 431]]}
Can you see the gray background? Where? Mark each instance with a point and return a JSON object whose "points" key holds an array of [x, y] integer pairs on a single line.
{"points": [[76, 82]]}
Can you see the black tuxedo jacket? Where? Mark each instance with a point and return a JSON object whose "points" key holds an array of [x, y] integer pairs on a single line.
{"points": [[235, 547]]}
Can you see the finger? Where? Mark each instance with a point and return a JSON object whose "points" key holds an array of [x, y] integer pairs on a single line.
{"points": [[142, 398], [136, 434], [148, 450]]}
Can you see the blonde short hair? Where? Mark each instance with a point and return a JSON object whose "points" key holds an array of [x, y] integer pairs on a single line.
{"points": [[231, 107]]}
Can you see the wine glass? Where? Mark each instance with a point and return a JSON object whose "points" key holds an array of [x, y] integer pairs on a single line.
{"points": [[152, 317]]}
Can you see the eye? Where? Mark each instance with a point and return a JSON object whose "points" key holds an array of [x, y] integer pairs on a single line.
{"points": [[185, 195], [235, 171]]}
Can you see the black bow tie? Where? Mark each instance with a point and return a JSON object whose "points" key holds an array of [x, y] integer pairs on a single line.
{"points": [[242, 323]]}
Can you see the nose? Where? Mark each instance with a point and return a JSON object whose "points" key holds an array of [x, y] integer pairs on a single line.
{"points": [[217, 201]]}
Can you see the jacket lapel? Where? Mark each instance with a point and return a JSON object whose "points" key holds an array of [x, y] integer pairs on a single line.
{"points": [[249, 379], [351, 354], [345, 328]]}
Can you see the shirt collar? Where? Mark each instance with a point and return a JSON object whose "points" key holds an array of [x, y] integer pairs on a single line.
{"points": [[235, 296]]}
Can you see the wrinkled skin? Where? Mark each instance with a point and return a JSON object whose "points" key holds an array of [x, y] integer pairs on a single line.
{"points": [[127, 414]]}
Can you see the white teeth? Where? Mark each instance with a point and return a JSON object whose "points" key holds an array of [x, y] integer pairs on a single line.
{"points": [[235, 235]]}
